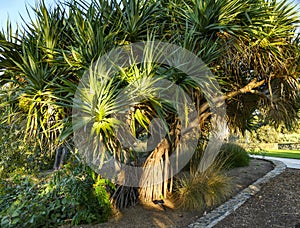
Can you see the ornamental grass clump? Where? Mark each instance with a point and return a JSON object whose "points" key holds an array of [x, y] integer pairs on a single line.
{"points": [[202, 191]]}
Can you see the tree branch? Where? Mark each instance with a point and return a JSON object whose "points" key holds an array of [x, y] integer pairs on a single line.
{"points": [[203, 108], [246, 89]]}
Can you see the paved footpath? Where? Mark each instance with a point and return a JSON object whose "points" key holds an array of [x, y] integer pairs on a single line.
{"points": [[290, 163]]}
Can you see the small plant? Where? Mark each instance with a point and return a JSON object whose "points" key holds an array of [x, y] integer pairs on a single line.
{"points": [[102, 187], [233, 155], [201, 191]]}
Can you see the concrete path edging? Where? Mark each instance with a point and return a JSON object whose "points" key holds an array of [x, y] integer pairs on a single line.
{"points": [[215, 216], [290, 162]]}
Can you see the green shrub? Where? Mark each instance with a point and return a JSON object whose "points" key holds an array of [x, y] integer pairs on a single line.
{"points": [[201, 191], [18, 156], [233, 155], [66, 196]]}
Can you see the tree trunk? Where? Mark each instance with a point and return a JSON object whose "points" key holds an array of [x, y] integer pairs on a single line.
{"points": [[157, 167]]}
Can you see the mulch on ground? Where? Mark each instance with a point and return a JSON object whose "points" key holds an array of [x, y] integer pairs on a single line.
{"points": [[276, 205], [151, 215]]}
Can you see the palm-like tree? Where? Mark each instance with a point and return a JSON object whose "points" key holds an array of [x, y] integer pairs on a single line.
{"points": [[28, 61], [249, 45]]}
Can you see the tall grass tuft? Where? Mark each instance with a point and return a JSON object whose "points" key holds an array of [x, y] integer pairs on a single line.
{"points": [[202, 191]]}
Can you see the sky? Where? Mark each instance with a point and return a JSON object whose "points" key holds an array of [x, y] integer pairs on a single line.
{"points": [[13, 9]]}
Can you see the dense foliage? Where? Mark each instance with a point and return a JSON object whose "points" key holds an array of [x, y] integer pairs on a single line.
{"points": [[251, 47], [70, 195]]}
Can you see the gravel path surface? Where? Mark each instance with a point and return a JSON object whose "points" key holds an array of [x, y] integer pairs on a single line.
{"points": [[276, 205]]}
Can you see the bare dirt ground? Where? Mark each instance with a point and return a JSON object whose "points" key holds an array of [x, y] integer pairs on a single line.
{"points": [[276, 205], [151, 215]]}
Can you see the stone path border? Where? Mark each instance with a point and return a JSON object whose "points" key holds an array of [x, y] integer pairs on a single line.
{"points": [[215, 216]]}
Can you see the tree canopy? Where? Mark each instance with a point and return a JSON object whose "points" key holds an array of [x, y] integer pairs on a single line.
{"points": [[250, 46]]}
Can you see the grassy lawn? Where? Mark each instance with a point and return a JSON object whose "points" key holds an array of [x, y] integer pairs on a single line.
{"points": [[280, 153]]}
